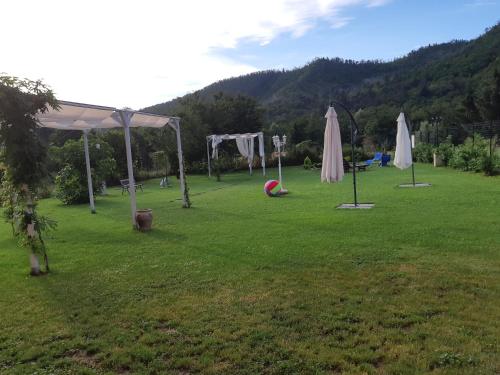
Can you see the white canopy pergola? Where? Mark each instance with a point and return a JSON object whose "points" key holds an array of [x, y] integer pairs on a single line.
{"points": [[85, 117], [245, 144]]}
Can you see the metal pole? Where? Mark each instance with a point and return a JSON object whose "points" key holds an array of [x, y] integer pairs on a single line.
{"points": [[279, 161], [354, 132], [411, 147], [353, 157], [491, 137], [437, 133], [89, 174], [208, 158]]}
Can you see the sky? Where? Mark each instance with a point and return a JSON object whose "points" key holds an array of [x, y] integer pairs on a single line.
{"points": [[131, 53]]}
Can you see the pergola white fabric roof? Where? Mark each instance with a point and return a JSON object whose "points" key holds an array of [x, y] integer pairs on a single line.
{"points": [[85, 117], [78, 116]]}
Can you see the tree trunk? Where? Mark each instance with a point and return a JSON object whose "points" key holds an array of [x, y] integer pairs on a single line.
{"points": [[46, 260], [31, 233], [35, 265]]}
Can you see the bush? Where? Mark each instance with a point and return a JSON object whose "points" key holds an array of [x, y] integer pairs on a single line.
{"points": [[490, 165], [359, 153], [295, 154], [470, 156], [423, 153], [445, 151], [69, 188], [308, 164], [71, 180]]}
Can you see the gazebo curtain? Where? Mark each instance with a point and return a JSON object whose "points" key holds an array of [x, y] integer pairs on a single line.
{"points": [[245, 144]]}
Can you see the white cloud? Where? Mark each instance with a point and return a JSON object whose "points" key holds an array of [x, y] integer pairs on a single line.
{"points": [[139, 53]]}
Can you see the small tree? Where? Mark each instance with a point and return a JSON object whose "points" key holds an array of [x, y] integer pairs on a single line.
{"points": [[24, 156]]}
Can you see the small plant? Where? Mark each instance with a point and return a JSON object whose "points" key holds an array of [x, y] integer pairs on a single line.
{"points": [[308, 164], [453, 360]]}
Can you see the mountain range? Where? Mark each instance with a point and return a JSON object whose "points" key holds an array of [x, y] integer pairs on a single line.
{"points": [[432, 79]]}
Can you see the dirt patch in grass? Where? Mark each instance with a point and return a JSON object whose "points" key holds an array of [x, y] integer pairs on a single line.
{"points": [[83, 358]]}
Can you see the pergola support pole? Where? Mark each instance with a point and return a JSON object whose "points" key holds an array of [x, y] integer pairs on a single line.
{"points": [[125, 117], [263, 156], [89, 173], [182, 176], [208, 158]]}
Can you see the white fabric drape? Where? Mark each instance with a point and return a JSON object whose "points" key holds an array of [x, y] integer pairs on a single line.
{"points": [[250, 150], [403, 158], [216, 139], [261, 153], [332, 169], [243, 148]]}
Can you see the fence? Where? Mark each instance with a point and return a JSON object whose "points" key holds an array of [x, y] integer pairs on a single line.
{"points": [[436, 133]]}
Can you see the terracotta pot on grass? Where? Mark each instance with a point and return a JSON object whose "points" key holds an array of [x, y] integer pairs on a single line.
{"points": [[144, 219]]}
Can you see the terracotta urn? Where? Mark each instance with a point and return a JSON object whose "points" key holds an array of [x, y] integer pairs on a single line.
{"points": [[144, 219]]}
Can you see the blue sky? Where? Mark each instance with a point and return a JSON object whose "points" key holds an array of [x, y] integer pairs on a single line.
{"points": [[383, 32], [138, 53]]}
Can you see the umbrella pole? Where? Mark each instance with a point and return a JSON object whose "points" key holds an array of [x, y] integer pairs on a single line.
{"points": [[353, 158], [411, 148], [413, 172], [354, 133]]}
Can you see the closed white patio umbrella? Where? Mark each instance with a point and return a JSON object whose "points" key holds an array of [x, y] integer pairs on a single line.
{"points": [[403, 158], [332, 169]]}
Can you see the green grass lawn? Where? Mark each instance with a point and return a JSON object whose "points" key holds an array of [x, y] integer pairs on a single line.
{"points": [[242, 283]]}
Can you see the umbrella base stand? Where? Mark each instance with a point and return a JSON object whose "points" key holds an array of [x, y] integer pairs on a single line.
{"points": [[417, 185], [359, 206]]}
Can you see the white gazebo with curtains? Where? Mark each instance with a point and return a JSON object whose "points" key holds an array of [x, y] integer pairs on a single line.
{"points": [[85, 117], [244, 142]]}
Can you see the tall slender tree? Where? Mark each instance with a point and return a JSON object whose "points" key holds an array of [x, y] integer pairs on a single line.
{"points": [[24, 156]]}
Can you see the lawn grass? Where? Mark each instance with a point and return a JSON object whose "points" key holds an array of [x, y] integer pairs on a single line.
{"points": [[242, 283]]}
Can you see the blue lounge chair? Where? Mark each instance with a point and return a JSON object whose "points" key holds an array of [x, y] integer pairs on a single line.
{"points": [[385, 160], [377, 157]]}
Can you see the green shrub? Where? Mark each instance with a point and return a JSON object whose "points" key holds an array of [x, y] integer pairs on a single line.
{"points": [[308, 164], [470, 156], [359, 153], [71, 180], [445, 151], [69, 187], [423, 153], [490, 165]]}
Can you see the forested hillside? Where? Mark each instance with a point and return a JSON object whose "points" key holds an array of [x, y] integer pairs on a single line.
{"points": [[457, 82], [431, 80]]}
